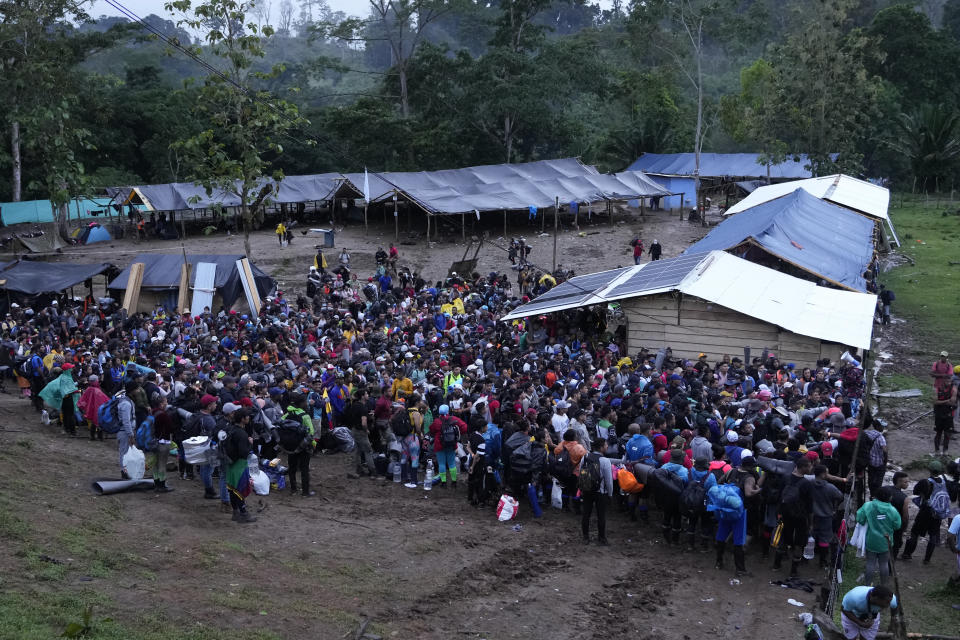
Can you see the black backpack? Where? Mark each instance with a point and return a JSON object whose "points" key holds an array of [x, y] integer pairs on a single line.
{"points": [[449, 432], [521, 459], [693, 497], [561, 466], [229, 445], [401, 424], [591, 478], [791, 501], [668, 482], [292, 435]]}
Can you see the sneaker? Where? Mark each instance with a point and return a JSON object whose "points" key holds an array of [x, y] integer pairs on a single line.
{"points": [[243, 517], [411, 485], [309, 494]]}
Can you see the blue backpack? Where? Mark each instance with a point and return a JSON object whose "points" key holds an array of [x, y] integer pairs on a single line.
{"points": [[108, 418], [725, 501], [145, 436]]}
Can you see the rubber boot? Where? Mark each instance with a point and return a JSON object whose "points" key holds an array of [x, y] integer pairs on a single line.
{"points": [[778, 560], [929, 552], [740, 562], [156, 485], [794, 567], [720, 548], [164, 488]]}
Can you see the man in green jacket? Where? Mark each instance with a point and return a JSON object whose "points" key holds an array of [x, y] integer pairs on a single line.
{"points": [[881, 519]]}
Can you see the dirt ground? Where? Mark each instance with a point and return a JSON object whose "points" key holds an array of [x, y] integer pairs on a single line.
{"points": [[416, 564]]}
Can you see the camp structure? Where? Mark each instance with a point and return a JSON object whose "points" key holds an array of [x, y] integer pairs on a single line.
{"points": [[717, 303], [93, 233], [161, 280], [30, 282], [865, 198], [799, 234], [41, 211], [527, 188], [677, 171]]}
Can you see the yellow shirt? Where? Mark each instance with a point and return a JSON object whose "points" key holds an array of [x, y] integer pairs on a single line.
{"points": [[48, 359]]}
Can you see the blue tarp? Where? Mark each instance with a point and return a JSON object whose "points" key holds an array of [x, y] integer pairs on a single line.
{"points": [[40, 211], [719, 165], [33, 278], [830, 242]]}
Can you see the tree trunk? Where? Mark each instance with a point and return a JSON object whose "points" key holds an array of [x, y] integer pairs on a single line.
{"points": [[698, 138], [404, 98], [508, 137], [245, 215], [15, 157]]}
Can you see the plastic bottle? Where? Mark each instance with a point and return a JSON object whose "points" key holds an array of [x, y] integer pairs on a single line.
{"points": [[428, 480], [396, 471], [808, 551]]}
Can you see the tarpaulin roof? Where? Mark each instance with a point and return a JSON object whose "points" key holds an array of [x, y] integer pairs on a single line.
{"points": [[823, 239], [41, 211], [162, 271], [46, 242], [34, 278], [797, 305], [179, 196], [719, 165], [509, 186]]}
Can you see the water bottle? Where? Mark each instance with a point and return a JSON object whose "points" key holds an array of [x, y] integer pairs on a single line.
{"points": [[428, 480], [808, 551], [396, 471]]}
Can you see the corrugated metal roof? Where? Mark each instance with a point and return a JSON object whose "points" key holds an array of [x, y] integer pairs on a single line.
{"points": [[845, 317]]}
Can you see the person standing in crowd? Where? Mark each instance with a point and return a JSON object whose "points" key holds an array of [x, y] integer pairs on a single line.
{"points": [[886, 298], [163, 432], [298, 460], [355, 417], [236, 447], [898, 500], [126, 437], [203, 423], [944, 405], [447, 431], [882, 520], [942, 373], [89, 404], [934, 499], [596, 489], [796, 505], [655, 250]]}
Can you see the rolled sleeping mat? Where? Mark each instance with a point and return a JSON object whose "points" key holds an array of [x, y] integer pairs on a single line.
{"points": [[642, 472], [108, 487], [773, 465]]}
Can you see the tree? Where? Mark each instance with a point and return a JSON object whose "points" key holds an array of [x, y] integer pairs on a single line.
{"points": [[402, 26], [754, 115], [930, 138], [244, 124]]}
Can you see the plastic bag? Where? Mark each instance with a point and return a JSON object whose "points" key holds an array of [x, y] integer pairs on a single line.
{"points": [[556, 496], [260, 483], [195, 449], [859, 540], [507, 508], [134, 463]]}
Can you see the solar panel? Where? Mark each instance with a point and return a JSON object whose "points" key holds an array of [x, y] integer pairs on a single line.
{"points": [[657, 275], [573, 292]]}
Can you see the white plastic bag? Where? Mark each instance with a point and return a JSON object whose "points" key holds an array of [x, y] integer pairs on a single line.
{"points": [[260, 483], [507, 508], [134, 463], [195, 449], [859, 540], [556, 496]]}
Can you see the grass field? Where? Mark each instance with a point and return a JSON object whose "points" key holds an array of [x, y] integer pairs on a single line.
{"points": [[927, 292]]}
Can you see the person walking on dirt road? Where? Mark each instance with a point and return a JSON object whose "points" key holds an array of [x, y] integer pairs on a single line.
{"points": [[655, 250], [943, 408]]}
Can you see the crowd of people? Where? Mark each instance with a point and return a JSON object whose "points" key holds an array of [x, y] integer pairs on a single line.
{"points": [[409, 374]]}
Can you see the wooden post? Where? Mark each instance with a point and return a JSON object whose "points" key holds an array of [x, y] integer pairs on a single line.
{"points": [[396, 221], [576, 218], [504, 224], [556, 225], [184, 293], [365, 226], [543, 220], [131, 297], [463, 228], [610, 211], [183, 226]]}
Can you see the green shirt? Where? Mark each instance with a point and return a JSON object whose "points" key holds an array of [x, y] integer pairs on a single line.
{"points": [[881, 519], [305, 419]]}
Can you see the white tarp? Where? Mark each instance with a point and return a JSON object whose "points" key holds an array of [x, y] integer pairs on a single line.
{"points": [[845, 317], [859, 195], [204, 286]]}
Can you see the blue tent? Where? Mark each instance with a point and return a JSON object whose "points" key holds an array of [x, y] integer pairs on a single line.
{"points": [[95, 233], [827, 241]]}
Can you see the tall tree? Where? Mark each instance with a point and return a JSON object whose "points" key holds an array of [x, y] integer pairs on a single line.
{"points": [[754, 115], [244, 125]]}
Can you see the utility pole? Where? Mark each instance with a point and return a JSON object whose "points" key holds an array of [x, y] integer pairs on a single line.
{"points": [[556, 216]]}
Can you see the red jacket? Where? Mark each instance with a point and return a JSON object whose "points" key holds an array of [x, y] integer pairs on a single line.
{"points": [[438, 423]]}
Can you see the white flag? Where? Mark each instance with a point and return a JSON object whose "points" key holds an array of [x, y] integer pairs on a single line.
{"points": [[366, 185]]}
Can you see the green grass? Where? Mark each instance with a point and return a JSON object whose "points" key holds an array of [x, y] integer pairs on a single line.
{"points": [[899, 381], [928, 293]]}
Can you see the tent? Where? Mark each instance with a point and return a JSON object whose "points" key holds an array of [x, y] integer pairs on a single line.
{"points": [[864, 197], [161, 275], [34, 278], [45, 241], [718, 303], [815, 236], [676, 171], [94, 233]]}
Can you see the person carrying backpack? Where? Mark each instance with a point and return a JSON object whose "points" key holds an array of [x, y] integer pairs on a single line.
{"points": [[126, 436], [728, 504], [796, 506], [163, 433], [699, 518], [669, 498], [355, 417], [595, 482], [235, 448], [934, 500], [446, 431], [566, 460], [298, 459]]}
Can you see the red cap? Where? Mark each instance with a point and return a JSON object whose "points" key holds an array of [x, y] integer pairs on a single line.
{"points": [[207, 400], [66, 366]]}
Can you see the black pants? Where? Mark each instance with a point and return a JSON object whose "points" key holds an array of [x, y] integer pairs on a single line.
{"points": [[589, 499], [672, 521], [794, 536], [238, 503], [299, 462], [36, 386], [875, 479]]}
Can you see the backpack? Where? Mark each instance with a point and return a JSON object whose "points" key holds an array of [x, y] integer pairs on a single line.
{"points": [[791, 504], [228, 446], [591, 478], [693, 497], [561, 466], [725, 502], [292, 435], [108, 418], [866, 446], [191, 428], [939, 500], [521, 459], [449, 433], [668, 481], [145, 436], [401, 424]]}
